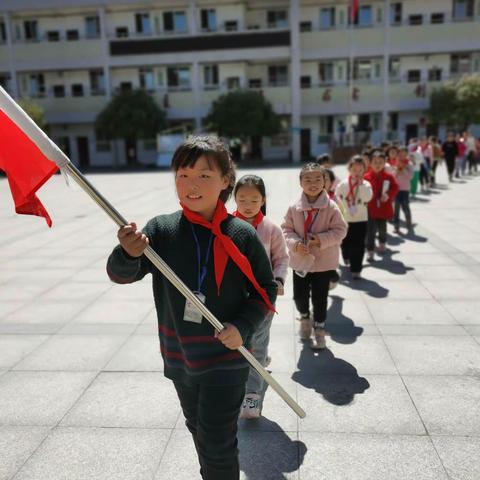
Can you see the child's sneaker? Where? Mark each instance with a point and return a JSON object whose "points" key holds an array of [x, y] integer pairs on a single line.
{"points": [[382, 248], [356, 276], [251, 406], [319, 343], [346, 262], [370, 257], [396, 229], [305, 331]]}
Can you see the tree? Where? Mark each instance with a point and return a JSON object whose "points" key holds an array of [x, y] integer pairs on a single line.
{"points": [[457, 104], [130, 115], [244, 114], [35, 111], [468, 95], [443, 105]]}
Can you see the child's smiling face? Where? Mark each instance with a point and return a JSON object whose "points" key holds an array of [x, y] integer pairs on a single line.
{"points": [[199, 186], [312, 183], [377, 164]]}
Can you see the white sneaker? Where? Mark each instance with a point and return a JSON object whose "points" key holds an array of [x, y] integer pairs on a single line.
{"points": [[250, 407]]}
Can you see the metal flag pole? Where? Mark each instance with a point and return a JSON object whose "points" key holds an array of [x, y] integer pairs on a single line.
{"points": [[158, 262]]}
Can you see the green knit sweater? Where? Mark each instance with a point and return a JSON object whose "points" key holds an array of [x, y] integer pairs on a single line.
{"points": [[190, 352]]}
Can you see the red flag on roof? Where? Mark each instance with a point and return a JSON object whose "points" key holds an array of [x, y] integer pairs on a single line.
{"points": [[27, 156], [354, 5]]}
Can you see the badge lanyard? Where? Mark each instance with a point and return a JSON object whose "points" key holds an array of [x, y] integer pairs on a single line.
{"points": [[309, 229], [202, 270]]}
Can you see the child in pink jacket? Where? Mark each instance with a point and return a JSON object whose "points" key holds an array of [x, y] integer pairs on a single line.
{"points": [[250, 197], [314, 229]]}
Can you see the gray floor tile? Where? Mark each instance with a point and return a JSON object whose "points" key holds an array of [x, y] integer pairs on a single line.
{"points": [[341, 403], [39, 398], [97, 453], [14, 347], [411, 312], [16, 446], [466, 312], [137, 400], [141, 353], [369, 457], [114, 312], [421, 330], [72, 353], [76, 291], [429, 355], [459, 456], [448, 290], [7, 307], [447, 405]]}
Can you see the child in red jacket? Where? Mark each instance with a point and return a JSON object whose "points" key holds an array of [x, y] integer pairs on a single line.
{"points": [[380, 208]]}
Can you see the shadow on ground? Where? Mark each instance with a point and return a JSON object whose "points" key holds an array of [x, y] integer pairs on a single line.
{"points": [[388, 263], [335, 379], [271, 454], [341, 328]]}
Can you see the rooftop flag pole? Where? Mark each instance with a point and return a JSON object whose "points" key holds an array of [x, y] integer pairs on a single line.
{"points": [[30, 158]]}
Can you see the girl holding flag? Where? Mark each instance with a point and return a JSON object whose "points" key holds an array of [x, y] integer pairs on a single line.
{"points": [[353, 194], [250, 197], [222, 260], [314, 229]]}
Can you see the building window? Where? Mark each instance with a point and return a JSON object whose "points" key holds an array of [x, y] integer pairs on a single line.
{"points": [[394, 121], [394, 68], [305, 26], [125, 86], [178, 78], [208, 19], [143, 25], [305, 81], [175, 22], [327, 18], [210, 75], [30, 29], [72, 35], [255, 83], [435, 74], [3, 33], [77, 90], [58, 91], [463, 9], [415, 19], [231, 25], [437, 18], [103, 146], [365, 16], [277, 19], [53, 36], [233, 83], [414, 76], [461, 63], [396, 13], [97, 82], [325, 72], [362, 70], [277, 75], [147, 79], [121, 32], [37, 85], [92, 27]]}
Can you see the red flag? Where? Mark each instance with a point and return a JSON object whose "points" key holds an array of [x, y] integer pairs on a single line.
{"points": [[354, 5], [27, 156]]}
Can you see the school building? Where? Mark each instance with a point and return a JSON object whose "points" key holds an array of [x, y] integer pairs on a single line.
{"points": [[333, 79]]}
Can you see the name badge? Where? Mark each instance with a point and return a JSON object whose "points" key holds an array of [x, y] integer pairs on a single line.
{"points": [[352, 210], [192, 314]]}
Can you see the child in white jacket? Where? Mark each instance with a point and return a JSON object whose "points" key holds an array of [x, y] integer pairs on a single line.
{"points": [[353, 195]]}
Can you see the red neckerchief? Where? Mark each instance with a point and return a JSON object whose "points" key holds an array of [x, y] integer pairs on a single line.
{"points": [[309, 221], [257, 219], [352, 190], [331, 194], [223, 248]]}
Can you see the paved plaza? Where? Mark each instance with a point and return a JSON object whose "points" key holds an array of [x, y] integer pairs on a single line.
{"points": [[82, 396]]}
